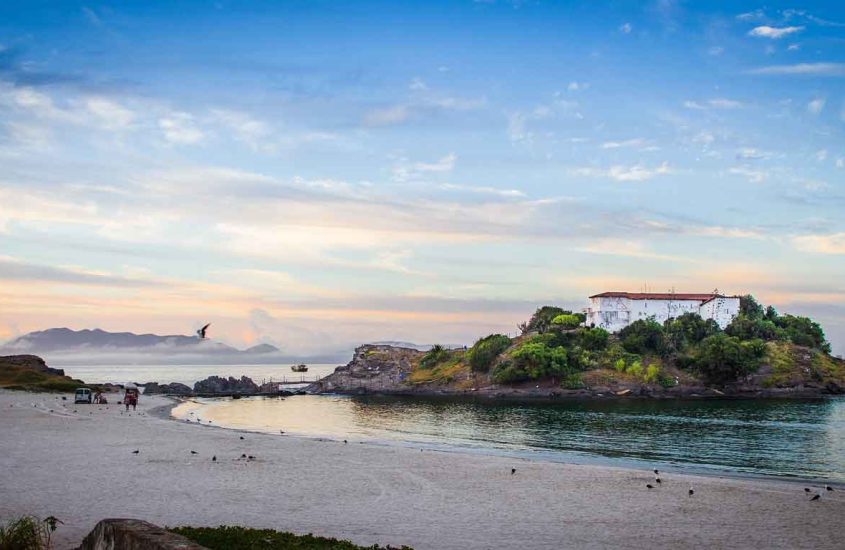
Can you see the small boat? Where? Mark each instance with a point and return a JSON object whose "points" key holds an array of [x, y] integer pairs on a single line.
{"points": [[299, 368]]}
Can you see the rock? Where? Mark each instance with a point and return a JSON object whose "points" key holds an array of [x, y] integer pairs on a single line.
{"points": [[154, 388], [30, 361], [216, 384], [374, 368]]}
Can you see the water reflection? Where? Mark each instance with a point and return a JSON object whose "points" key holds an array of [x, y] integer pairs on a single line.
{"points": [[772, 437]]}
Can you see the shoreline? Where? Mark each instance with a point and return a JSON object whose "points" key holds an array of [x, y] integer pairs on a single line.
{"points": [[59, 455], [529, 454]]}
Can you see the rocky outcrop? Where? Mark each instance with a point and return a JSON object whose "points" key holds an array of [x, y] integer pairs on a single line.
{"points": [[133, 534], [218, 385], [154, 388], [30, 362], [374, 368]]}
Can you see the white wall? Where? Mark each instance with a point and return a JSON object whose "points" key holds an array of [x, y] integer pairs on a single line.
{"points": [[614, 314]]}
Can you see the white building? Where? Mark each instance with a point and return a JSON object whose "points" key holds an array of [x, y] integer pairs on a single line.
{"points": [[614, 311]]}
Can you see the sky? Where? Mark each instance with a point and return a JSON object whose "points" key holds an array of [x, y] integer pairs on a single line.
{"points": [[317, 174]]}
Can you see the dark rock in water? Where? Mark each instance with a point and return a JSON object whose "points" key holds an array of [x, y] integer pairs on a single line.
{"points": [[153, 388], [217, 384]]}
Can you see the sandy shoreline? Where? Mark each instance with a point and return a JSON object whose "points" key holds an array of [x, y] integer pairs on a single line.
{"points": [[79, 467]]}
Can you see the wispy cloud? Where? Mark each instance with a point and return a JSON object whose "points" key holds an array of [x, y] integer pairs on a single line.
{"points": [[387, 116], [483, 190], [180, 128], [754, 175], [833, 243], [766, 31], [802, 69], [717, 103], [816, 106], [637, 172]]}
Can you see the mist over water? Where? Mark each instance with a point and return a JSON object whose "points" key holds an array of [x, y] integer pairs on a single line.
{"points": [[188, 374], [784, 438]]}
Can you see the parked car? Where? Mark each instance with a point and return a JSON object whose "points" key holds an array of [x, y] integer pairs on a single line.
{"points": [[83, 395]]}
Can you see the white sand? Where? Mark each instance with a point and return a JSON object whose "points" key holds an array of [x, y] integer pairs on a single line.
{"points": [[79, 467]]}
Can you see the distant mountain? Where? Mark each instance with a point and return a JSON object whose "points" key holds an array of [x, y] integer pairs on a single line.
{"points": [[100, 346], [261, 348]]}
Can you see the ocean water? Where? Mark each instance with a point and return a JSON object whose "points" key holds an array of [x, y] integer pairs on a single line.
{"points": [[188, 374], [781, 438]]}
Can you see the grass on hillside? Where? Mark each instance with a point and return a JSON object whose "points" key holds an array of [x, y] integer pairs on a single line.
{"points": [[242, 538], [13, 377]]}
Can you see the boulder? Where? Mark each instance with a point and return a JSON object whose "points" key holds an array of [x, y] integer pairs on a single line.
{"points": [[154, 388], [217, 384]]}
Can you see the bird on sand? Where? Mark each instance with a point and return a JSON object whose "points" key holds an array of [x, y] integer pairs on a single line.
{"points": [[242, 437], [214, 458], [828, 487], [136, 451], [193, 452], [657, 479], [243, 455], [344, 441], [817, 497], [201, 332], [806, 489], [513, 471], [649, 486], [250, 457], [656, 472], [691, 492]]}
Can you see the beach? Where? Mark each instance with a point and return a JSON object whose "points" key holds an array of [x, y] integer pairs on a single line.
{"points": [[76, 462]]}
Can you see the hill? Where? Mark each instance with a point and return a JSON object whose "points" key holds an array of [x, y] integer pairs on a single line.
{"points": [[28, 372], [761, 353]]}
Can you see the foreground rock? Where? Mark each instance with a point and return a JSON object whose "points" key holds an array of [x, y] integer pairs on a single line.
{"points": [[32, 362], [219, 385], [133, 534], [154, 388]]}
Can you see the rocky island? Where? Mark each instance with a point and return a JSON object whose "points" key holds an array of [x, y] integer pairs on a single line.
{"points": [[759, 354]]}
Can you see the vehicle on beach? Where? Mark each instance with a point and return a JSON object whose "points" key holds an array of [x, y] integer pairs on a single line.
{"points": [[82, 395], [299, 368]]}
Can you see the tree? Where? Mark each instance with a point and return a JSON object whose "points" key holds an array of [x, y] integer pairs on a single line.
{"points": [[567, 321], [593, 339], [721, 358], [688, 330], [542, 319], [644, 336], [749, 307], [482, 354], [803, 331]]}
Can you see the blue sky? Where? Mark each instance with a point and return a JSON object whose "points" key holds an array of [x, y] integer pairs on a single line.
{"points": [[318, 174]]}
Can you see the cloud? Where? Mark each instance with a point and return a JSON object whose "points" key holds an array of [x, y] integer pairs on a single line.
{"points": [[815, 106], [417, 84], [12, 269], [635, 142], [483, 190], [751, 174], [717, 103], [249, 130], [637, 172], [833, 243], [750, 153], [387, 116], [765, 31], [111, 114], [179, 128], [802, 69], [404, 171], [577, 86], [821, 155], [625, 28]]}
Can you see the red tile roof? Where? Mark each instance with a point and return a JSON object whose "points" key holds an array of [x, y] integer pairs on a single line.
{"points": [[659, 296]]}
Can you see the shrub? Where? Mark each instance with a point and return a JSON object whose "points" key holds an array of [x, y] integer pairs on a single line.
{"points": [[652, 374], [635, 369], [436, 355], [688, 330], [530, 361], [644, 336], [27, 533], [567, 321], [593, 339], [619, 365], [722, 358], [482, 354], [242, 538], [573, 382], [747, 328], [803, 332]]}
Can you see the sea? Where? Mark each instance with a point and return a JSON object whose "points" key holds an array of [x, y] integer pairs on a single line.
{"points": [[781, 438]]}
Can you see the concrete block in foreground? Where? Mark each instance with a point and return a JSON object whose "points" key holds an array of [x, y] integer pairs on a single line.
{"points": [[134, 534]]}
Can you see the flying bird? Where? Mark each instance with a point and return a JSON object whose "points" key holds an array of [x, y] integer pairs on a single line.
{"points": [[201, 332]]}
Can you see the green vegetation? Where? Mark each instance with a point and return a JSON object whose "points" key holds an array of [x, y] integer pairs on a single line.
{"points": [[685, 350], [567, 321], [242, 538], [27, 533], [482, 354], [437, 354], [14, 376]]}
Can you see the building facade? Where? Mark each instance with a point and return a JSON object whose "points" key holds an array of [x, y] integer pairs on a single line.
{"points": [[614, 311]]}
